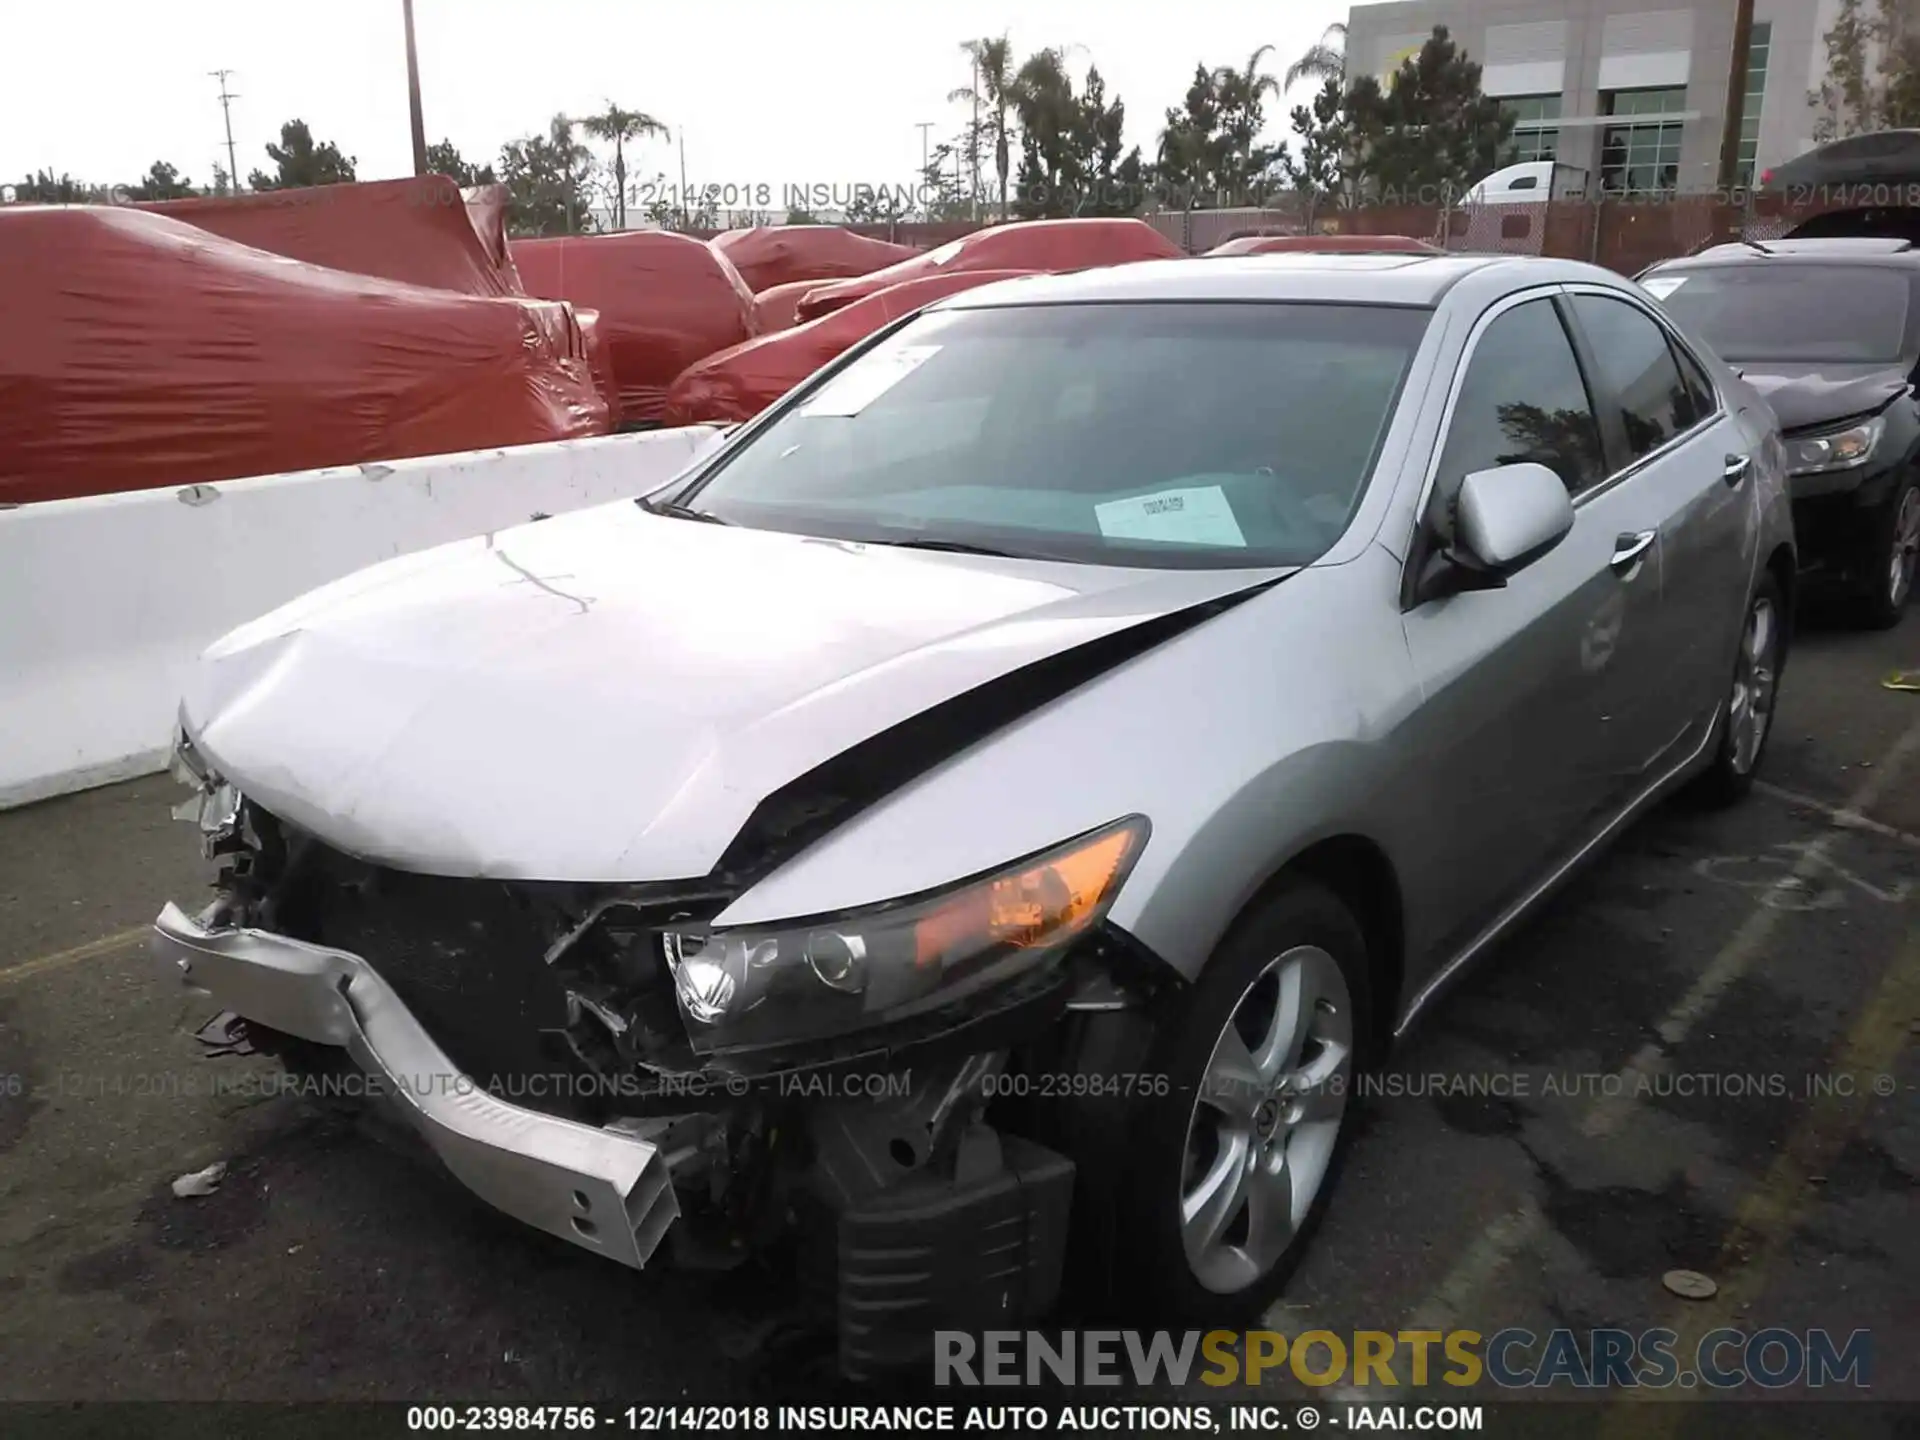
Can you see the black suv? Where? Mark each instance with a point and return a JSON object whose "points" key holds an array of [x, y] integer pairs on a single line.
{"points": [[1829, 331]]}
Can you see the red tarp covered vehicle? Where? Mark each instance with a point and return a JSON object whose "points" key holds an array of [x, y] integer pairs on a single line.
{"points": [[1024, 245], [774, 309], [665, 301], [739, 383], [770, 255], [418, 231], [141, 351]]}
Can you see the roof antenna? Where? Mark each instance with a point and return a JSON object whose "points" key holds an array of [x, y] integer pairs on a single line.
{"points": [[1755, 245]]}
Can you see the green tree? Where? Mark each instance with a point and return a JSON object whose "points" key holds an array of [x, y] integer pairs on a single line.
{"points": [[1872, 80], [1192, 148], [796, 215], [43, 187], [1324, 60], [1328, 167], [876, 205], [1431, 133], [445, 159], [993, 91], [943, 188], [1071, 153], [546, 175], [1241, 100], [299, 162], [619, 126], [161, 182]]}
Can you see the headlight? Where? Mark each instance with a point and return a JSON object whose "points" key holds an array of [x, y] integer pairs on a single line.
{"points": [[815, 979], [1842, 450]]}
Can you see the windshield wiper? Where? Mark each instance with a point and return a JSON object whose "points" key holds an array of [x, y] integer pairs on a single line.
{"points": [[675, 511], [954, 547]]}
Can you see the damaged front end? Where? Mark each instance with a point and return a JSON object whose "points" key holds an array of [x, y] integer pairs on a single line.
{"points": [[608, 1065]]}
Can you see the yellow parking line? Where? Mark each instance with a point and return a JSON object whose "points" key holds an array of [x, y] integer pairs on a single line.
{"points": [[1765, 1222], [92, 950]]}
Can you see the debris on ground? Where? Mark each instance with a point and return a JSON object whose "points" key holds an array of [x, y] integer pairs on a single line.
{"points": [[200, 1182], [225, 1034], [1690, 1284], [1903, 680]]}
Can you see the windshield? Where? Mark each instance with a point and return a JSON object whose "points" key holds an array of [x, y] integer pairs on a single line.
{"points": [[1783, 311], [1152, 434]]}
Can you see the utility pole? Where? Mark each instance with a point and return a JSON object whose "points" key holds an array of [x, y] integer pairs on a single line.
{"points": [[686, 217], [925, 185], [413, 94], [226, 112], [1736, 97]]}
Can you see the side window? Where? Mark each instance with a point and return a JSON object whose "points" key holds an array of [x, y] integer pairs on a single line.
{"points": [[1630, 351], [1523, 399], [1699, 388]]}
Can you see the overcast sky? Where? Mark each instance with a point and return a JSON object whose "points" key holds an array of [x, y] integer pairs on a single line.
{"points": [[769, 91]]}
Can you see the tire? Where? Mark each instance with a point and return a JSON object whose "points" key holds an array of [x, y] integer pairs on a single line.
{"points": [[1738, 751], [1890, 558], [1300, 930]]}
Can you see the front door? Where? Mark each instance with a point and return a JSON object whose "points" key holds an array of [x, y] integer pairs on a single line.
{"points": [[1535, 695]]}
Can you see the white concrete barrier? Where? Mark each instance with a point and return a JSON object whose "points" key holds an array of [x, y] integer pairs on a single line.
{"points": [[105, 601]]}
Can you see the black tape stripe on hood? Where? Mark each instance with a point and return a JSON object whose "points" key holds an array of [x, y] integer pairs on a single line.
{"points": [[811, 805]]}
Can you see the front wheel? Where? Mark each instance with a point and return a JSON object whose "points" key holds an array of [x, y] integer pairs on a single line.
{"points": [[1890, 561], [1235, 1164], [1748, 720]]}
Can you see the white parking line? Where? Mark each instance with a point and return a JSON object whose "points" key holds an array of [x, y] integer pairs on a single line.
{"points": [[1838, 816], [1509, 1234]]}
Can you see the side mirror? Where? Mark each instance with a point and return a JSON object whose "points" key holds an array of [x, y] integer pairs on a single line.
{"points": [[1507, 517]]}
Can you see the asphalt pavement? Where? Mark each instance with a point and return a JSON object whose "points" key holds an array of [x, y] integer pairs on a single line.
{"points": [[1701, 1056]]}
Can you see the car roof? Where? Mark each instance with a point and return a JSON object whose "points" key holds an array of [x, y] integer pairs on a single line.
{"points": [[1388, 279], [1870, 249]]}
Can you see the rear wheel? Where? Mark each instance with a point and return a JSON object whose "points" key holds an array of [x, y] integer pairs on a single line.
{"points": [[1236, 1163], [1748, 719], [1890, 560]]}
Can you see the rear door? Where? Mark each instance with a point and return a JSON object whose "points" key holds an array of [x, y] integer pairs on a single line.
{"points": [[1532, 694], [1689, 465]]}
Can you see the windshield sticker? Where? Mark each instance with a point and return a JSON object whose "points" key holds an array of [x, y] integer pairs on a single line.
{"points": [[1661, 286], [868, 380], [1198, 516]]}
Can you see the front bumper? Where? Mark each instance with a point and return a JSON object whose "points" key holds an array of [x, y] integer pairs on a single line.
{"points": [[603, 1190]]}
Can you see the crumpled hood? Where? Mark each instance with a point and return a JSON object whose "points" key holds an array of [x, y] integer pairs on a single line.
{"points": [[606, 696], [1808, 396]]}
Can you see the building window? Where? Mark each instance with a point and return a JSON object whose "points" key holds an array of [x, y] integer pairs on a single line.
{"points": [[1536, 127], [1640, 150], [1756, 97]]}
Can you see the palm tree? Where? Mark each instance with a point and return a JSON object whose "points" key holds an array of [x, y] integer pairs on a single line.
{"points": [[620, 126], [1324, 60], [569, 155], [995, 85]]}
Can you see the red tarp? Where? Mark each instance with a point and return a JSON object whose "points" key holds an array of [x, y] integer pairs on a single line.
{"points": [[739, 383], [141, 351], [665, 301], [417, 231], [1325, 245], [769, 255], [599, 358], [1026, 245], [773, 309]]}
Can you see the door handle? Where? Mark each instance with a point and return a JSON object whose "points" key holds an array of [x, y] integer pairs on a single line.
{"points": [[1627, 550], [1736, 470]]}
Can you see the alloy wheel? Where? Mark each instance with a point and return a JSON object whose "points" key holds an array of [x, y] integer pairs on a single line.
{"points": [[1750, 711], [1265, 1121], [1906, 549]]}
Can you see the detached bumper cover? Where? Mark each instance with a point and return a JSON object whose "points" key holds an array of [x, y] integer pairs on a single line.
{"points": [[608, 1192]]}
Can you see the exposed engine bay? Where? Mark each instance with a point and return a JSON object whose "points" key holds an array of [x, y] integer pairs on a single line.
{"points": [[916, 1193]]}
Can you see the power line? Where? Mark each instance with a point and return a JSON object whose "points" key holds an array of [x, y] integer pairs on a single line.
{"points": [[226, 111]]}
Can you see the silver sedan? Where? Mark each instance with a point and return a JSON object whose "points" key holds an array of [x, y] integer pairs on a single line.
{"points": [[1120, 701]]}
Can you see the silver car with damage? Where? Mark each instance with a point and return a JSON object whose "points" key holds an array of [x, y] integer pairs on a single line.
{"points": [[978, 821]]}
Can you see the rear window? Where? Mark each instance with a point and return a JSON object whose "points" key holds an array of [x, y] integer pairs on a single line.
{"points": [[1782, 310]]}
